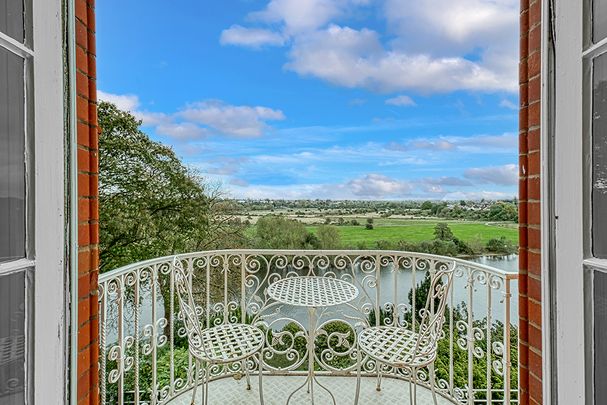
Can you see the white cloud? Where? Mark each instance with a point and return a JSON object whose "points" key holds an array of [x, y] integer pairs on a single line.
{"points": [[506, 175], [238, 121], [478, 195], [181, 131], [435, 45], [379, 186], [368, 187], [356, 59], [304, 15], [251, 37], [507, 142], [125, 102], [509, 105], [201, 119], [401, 101], [454, 26]]}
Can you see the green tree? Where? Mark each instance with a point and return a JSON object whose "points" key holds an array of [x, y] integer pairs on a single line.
{"points": [[329, 237], [278, 232], [501, 245], [443, 232], [150, 203], [427, 205]]}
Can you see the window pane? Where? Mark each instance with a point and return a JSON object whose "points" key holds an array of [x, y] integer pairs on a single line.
{"points": [[12, 339], [599, 158], [11, 19], [12, 157], [600, 337]]}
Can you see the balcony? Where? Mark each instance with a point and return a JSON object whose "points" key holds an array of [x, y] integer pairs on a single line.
{"points": [[143, 348]]}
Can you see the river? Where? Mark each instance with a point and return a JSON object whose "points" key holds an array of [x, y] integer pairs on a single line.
{"points": [[404, 284]]}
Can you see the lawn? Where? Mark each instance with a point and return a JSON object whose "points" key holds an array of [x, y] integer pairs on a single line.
{"points": [[422, 230]]}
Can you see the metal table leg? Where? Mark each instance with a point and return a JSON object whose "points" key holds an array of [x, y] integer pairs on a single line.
{"points": [[311, 378]]}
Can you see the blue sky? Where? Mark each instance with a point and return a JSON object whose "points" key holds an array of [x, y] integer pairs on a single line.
{"points": [[340, 99]]}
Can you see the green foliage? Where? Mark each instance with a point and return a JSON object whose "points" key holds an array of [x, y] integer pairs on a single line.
{"points": [[503, 211], [443, 232], [329, 237], [427, 205], [278, 232], [150, 203], [501, 246]]}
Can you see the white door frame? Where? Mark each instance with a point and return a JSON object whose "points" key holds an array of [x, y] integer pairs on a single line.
{"points": [[565, 379], [50, 291]]}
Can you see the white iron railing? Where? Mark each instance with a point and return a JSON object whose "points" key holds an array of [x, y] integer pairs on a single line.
{"points": [[143, 348]]}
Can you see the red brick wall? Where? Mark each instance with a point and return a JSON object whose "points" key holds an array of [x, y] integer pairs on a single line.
{"points": [[530, 298], [88, 228]]}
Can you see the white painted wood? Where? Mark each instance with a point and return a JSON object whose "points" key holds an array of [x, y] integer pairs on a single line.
{"points": [[569, 233], [49, 202], [14, 46], [546, 207]]}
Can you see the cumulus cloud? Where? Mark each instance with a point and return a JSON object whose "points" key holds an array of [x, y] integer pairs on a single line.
{"points": [[368, 187], [436, 45], [453, 26], [251, 37], [356, 59], [181, 131], [379, 186], [201, 119], [125, 102], [506, 175], [238, 121], [299, 16], [401, 101]]}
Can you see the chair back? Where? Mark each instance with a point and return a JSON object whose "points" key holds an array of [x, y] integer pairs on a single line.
{"points": [[433, 314], [187, 306]]}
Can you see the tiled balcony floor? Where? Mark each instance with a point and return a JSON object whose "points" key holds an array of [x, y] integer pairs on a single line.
{"points": [[277, 389]]}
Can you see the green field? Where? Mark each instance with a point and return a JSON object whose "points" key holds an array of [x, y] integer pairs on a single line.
{"points": [[416, 231]]}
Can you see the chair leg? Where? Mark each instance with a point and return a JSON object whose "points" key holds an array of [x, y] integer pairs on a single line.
{"points": [[206, 383], [196, 373], [245, 369], [261, 378], [378, 386], [433, 383], [358, 376], [414, 381]]}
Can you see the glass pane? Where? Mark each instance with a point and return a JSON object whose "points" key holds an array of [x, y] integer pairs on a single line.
{"points": [[599, 158], [12, 157], [12, 339], [600, 337], [11, 19]]}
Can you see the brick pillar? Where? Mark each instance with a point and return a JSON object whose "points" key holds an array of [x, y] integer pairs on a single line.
{"points": [[88, 228], [530, 297]]}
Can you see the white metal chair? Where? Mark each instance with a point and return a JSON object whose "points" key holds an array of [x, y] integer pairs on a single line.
{"points": [[223, 344], [402, 348]]}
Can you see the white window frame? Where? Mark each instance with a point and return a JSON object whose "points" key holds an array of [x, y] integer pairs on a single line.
{"points": [[46, 215], [566, 129]]}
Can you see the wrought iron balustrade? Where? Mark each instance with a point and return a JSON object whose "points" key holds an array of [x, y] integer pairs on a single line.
{"points": [[143, 348]]}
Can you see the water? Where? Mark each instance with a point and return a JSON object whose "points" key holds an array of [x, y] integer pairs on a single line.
{"points": [[393, 288], [507, 263]]}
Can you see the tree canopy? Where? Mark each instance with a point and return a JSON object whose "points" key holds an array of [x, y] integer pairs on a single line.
{"points": [[150, 203]]}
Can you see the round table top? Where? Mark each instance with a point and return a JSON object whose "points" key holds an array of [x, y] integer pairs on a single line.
{"points": [[312, 291]]}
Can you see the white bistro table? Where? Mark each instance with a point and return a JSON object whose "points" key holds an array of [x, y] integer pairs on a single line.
{"points": [[312, 292]]}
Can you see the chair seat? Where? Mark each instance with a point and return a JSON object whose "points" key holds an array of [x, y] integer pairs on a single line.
{"points": [[228, 343], [394, 346]]}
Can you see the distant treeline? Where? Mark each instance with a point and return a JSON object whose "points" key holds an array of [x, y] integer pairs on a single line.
{"points": [[483, 210]]}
